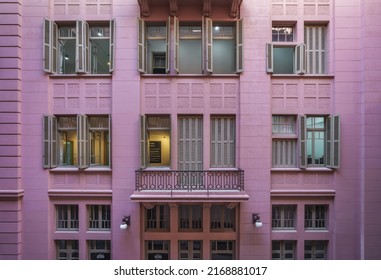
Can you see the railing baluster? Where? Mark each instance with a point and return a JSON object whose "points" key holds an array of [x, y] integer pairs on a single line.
{"points": [[185, 180]]}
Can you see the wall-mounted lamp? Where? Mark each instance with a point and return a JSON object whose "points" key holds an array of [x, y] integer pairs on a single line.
{"points": [[125, 223], [256, 220]]}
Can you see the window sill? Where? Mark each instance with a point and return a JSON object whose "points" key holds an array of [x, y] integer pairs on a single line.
{"points": [[65, 76], [76, 169], [308, 169], [232, 75], [304, 76], [323, 230], [283, 230], [224, 169]]}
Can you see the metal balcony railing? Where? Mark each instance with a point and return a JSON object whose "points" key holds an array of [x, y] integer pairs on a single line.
{"points": [[175, 180]]}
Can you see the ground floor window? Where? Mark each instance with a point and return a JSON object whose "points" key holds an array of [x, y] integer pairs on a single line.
{"points": [[67, 249], [222, 250], [315, 249], [99, 249], [157, 250], [283, 249], [190, 249]]}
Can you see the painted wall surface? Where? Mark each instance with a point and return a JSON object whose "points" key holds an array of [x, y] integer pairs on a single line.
{"points": [[29, 193]]}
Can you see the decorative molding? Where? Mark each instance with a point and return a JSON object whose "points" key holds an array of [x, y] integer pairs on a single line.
{"points": [[144, 8], [235, 8], [231, 205], [173, 8], [148, 205], [207, 8]]}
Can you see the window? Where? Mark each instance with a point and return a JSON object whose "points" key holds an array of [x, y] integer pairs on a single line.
{"points": [[284, 143], [315, 41], [190, 144], [320, 141], [315, 249], [285, 59], [99, 217], [67, 47], [316, 217], [283, 250], [190, 249], [67, 249], [222, 142], [157, 218], [283, 33], [157, 250], [78, 48], [76, 141], [67, 217], [222, 218], [190, 217], [155, 140], [283, 216], [190, 48], [99, 249], [153, 42], [223, 250], [199, 47], [99, 127]]}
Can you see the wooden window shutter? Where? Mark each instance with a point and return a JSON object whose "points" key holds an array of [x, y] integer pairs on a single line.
{"points": [[269, 58]]}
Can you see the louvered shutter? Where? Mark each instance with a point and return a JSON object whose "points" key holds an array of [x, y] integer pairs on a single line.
{"points": [[82, 48], [303, 142], [83, 142], [168, 40], [209, 45], [112, 45], [239, 46], [143, 142], [50, 145], [269, 58], [141, 46], [300, 59], [222, 142], [177, 44]]}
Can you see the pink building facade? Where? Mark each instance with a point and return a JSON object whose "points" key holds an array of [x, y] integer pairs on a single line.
{"points": [[163, 129]]}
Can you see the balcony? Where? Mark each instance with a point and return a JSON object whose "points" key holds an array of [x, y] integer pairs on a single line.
{"points": [[225, 185]]}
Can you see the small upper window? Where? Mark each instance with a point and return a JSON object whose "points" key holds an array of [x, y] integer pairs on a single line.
{"points": [[283, 33]]}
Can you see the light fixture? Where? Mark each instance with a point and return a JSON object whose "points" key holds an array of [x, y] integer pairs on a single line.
{"points": [[125, 222], [66, 57], [256, 220]]}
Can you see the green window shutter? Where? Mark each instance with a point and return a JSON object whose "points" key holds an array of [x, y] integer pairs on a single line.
{"points": [[239, 46], [141, 46], [269, 58], [112, 46], [303, 142], [83, 142]]}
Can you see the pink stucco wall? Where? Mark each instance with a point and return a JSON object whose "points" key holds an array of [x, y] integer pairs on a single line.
{"points": [[28, 192]]}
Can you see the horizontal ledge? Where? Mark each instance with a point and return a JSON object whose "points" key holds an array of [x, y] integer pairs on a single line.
{"points": [[189, 196], [80, 193], [296, 193], [15, 194]]}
